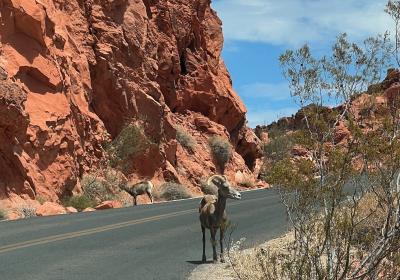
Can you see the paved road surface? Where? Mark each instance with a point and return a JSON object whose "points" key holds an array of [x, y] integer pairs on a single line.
{"points": [[160, 241]]}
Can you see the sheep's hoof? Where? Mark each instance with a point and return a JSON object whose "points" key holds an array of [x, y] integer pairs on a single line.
{"points": [[222, 260], [204, 260]]}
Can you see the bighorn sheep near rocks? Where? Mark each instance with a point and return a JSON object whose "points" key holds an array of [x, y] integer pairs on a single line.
{"points": [[139, 189], [212, 212]]}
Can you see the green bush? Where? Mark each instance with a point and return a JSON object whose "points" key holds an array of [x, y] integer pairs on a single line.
{"points": [[130, 142], [173, 191], [3, 214], [113, 179], [185, 139], [221, 151], [40, 199], [79, 202], [96, 188]]}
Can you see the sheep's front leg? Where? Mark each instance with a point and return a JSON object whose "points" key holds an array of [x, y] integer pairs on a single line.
{"points": [[221, 238], [150, 196], [134, 200], [204, 259], [213, 232]]}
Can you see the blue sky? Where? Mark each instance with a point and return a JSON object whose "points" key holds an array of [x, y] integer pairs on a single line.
{"points": [[257, 31]]}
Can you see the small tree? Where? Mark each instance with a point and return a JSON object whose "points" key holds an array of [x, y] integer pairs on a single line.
{"points": [[314, 190], [130, 142], [393, 9]]}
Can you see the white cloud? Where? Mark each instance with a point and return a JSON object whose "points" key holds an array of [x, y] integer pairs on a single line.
{"points": [[295, 22], [266, 91], [265, 117]]}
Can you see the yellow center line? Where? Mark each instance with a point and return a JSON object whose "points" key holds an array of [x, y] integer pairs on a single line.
{"points": [[70, 235], [64, 236]]}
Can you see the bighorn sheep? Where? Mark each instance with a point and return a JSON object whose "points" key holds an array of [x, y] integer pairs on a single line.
{"points": [[139, 189], [212, 212]]}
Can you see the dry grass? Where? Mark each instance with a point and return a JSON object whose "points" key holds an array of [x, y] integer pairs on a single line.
{"points": [[252, 264], [185, 139], [242, 264], [27, 211], [247, 181]]}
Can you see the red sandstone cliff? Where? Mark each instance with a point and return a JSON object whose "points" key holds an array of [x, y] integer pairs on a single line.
{"points": [[74, 72]]}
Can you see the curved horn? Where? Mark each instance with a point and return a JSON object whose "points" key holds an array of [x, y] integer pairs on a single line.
{"points": [[211, 178]]}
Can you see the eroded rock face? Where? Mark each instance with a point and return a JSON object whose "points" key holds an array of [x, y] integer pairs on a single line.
{"points": [[74, 72]]}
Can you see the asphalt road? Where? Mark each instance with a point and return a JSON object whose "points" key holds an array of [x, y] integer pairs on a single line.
{"points": [[159, 241]]}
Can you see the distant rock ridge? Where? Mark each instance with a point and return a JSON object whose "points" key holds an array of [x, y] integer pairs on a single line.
{"points": [[370, 106]]}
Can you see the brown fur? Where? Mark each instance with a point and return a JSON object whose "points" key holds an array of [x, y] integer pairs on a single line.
{"points": [[144, 187], [212, 211]]}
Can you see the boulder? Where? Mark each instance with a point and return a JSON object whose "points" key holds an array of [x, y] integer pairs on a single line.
{"points": [[109, 204], [50, 208]]}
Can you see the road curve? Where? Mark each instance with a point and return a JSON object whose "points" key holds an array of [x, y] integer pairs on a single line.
{"points": [[159, 241]]}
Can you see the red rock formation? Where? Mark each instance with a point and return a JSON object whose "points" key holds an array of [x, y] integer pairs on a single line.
{"points": [[74, 72], [109, 204], [49, 209]]}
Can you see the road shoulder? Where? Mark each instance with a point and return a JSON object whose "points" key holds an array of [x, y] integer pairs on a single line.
{"points": [[224, 271]]}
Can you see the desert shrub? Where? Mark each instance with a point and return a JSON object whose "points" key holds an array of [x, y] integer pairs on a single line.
{"points": [[113, 179], [27, 211], [278, 146], [247, 181], [185, 139], [3, 214], [259, 263], [96, 188], [368, 228], [221, 151], [40, 199], [79, 202], [173, 191], [208, 188], [130, 142]]}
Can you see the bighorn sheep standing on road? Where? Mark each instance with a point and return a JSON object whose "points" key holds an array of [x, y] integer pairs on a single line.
{"points": [[139, 189], [212, 212]]}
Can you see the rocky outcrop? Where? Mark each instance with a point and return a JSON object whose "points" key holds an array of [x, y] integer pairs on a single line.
{"points": [[370, 110], [73, 73], [49, 209], [109, 204]]}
